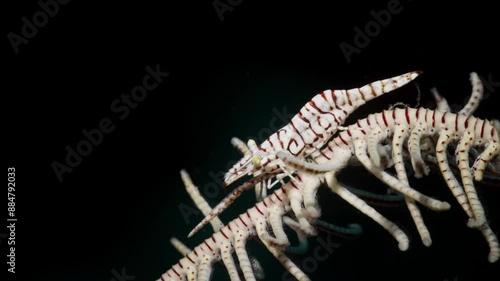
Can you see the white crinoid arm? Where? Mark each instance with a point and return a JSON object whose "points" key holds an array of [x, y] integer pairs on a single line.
{"points": [[476, 96], [198, 199], [469, 131]]}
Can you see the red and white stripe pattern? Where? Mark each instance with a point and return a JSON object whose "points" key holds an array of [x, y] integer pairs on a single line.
{"points": [[427, 146], [313, 126], [198, 264], [364, 138], [216, 223]]}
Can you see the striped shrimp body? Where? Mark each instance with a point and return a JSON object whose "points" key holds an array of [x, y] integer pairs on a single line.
{"points": [[364, 138], [312, 127]]}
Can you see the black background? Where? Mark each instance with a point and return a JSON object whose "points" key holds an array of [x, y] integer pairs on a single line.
{"points": [[119, 207]]}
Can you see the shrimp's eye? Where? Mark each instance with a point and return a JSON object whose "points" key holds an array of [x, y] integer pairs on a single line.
{"points": [[256, 161]]}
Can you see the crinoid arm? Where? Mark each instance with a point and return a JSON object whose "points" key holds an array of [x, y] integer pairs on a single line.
{"points": [[361, 154], [228, 200], [445, 128], [344, 193]]}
